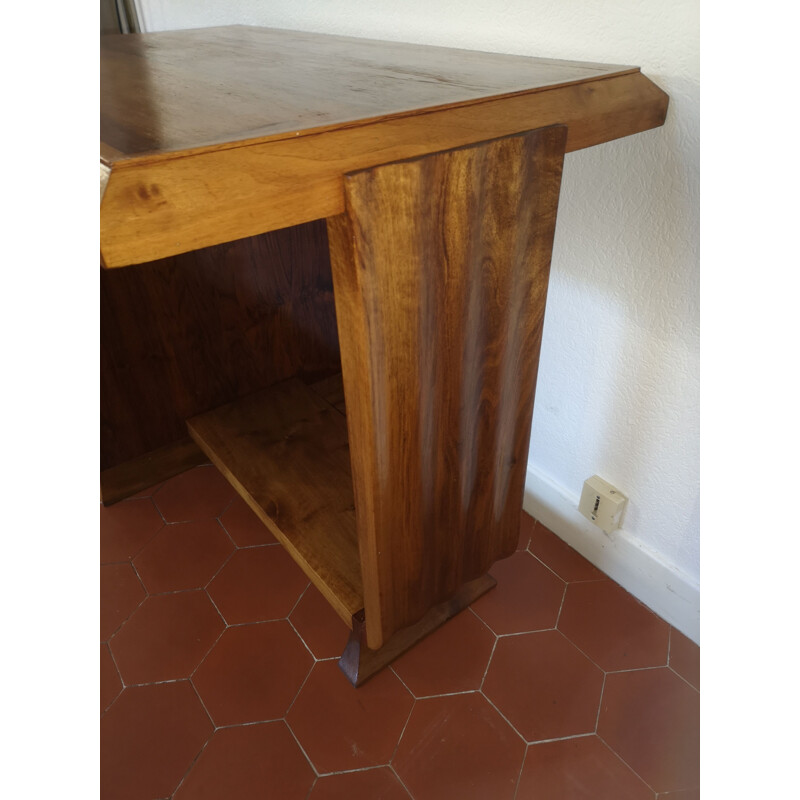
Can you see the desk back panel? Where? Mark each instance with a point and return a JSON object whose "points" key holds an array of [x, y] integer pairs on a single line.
{"points": [[186, 334]]}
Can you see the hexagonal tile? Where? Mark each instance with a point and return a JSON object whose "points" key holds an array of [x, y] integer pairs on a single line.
{"points": [[684, 657], [451, 659], [459, 748], [251, 761], [544, 686], [612, 627], [121, 592], [244, 527], [199, 492], [253, 673], [166, 637], [651, 719], [527, 596], [567, 563], [319, 625], [372, 784], [126, 527], [149, 738], [185, 555], [578, 769], [110, 684], [257, 584], [342, 728]]}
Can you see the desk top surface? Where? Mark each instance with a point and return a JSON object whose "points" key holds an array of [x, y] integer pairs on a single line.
{"points": [[174, 92]]}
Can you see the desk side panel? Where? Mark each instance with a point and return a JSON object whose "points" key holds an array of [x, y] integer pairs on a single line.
{"points": [[440, 269]]}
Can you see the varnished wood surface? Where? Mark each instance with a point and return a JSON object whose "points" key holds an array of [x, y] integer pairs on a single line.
{"points": [[185, 194], [174, 91], [187, 334], [285, 451], [440, 270], [124, 480], [359, 663]]}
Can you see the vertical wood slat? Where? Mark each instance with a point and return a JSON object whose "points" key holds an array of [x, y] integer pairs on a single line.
{"points": [[440, 268]]}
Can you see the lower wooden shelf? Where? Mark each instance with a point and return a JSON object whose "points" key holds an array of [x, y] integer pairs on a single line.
{"points": [[285, 450]]}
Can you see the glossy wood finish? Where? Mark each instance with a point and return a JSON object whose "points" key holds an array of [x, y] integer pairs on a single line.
{"points": [[187, 334], [359, 663], [286, 452], [440, 270], [218, 134]]}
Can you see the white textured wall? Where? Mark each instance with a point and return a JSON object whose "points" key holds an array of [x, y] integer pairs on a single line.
{"points": [[618, 382]]}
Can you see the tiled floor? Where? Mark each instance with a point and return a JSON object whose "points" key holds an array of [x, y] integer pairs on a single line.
{"points": [[219, 677]]}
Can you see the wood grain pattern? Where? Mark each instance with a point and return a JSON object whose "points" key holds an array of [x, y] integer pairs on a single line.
{"points": [[285, 451], [190, 333], [154, 208], [440, 270], [178, 91], [359, 663]]}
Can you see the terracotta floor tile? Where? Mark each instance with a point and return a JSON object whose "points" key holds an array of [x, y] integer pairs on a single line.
{"points": [[578, 769], [651, 719], [126, 527], [148, 739], [245, 528], [120, 593], [319, 625], [110, 684], [684, 657], [199, 492], [185, 555], [525, 531], [257, 584], [527, 596], [371, 784], [250, 762], [452, 659], [544, 686], [166, 637], [253, 673], [560, 557], [612, 627], [459, 748], [342, 728]]}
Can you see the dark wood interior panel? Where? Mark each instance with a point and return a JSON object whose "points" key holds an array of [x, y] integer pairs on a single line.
{"points": [[186, 334]]}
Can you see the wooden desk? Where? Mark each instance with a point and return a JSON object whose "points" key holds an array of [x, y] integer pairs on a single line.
{"points": [[325, 225]]}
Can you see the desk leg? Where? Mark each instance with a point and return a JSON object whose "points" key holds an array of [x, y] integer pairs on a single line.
{"points": [[440, 269]]}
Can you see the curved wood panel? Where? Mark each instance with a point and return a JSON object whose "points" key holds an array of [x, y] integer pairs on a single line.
{"points": [[440, 269]]}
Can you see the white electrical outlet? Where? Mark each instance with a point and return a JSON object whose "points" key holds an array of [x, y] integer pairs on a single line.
{"points": [[602, 503]]}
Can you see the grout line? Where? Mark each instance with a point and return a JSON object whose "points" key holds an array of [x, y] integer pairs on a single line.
{"points": [[403, 732], [214, 644], [687, 682], [488, 663], [561, 606], [402, 783], [521, 768], [297, 694], [311, 788], [510, 724], [600, 703], [562, 738], [302, 640], [294, 736], [626, 764], [297, 602], [205, 744], [371, 768]]}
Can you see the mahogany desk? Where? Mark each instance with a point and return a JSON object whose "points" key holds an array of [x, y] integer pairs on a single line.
{"points": [[322, 224]]}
